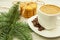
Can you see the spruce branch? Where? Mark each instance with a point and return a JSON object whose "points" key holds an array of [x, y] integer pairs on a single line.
{"points": [[10, 28]]}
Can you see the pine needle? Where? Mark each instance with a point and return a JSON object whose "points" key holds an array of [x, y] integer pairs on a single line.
{"points": [[10, 28]]}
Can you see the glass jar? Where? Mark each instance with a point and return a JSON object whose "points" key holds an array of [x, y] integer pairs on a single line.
{"points": [[29, 8]]}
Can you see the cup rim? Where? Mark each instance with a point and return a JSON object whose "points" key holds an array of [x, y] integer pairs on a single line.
{"points": [[48, 14]]}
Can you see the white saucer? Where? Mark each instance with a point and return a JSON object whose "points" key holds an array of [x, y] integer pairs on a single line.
{"points": [[45, 33]]}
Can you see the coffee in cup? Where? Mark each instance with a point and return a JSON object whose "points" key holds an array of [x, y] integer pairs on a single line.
{"points": [[47, 16], [50, 9]]}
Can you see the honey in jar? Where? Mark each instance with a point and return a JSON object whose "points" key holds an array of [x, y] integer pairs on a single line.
{"points": [[28, 9]]}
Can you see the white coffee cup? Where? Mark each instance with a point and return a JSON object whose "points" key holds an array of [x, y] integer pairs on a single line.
{"points": [[48, 21]]}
